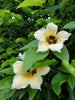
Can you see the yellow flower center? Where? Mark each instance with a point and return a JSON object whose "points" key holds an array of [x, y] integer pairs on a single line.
{"points": [[51, 40], [27, 75]]}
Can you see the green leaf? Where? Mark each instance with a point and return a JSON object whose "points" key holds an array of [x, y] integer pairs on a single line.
{"points": [[21, 40], [3, 55], [32, 93], [70, 8], [31, 3], [6, 94], [5, 84], [71, 82], [13, 60], [73, 63], [44, 62], [22, 94], [57, 81], [69, 67], [10, 50], [29, 45], [63, 4], [18, 1], [73, 40], [17, 16], [7, 18], [8, 62], [64, 55], [1, 40], [7, 71], [31, 36], [17, 94], [4, 12], [51, 2], [62, 69], [45, 11], [27, 11], [54, 21], [40, 22], [70, 25], [46, 94], [4, 64], [31, 57], [71, 94], [1, 21]]}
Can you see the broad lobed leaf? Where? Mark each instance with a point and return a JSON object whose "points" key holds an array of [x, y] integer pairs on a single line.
{"points": [[31, 57], [64, 55], [59, 79], [44, 62], [70, 25]]}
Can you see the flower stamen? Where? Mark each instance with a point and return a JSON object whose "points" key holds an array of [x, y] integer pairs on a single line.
{"points": [[33, 71], [52, 37], [51, 40]]}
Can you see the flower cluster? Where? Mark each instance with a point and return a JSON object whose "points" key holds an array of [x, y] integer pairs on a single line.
{"points": [[48, 39]]}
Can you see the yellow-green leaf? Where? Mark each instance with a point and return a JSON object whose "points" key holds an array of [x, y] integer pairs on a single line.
{"points": [[31, 3]]}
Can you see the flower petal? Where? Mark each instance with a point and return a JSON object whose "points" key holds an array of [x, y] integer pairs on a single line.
{"points": [[62, 36], [43, 46], [40, 34], [56, 47], [35, 81], [19, 82], [52, 29], [43, 70], [18, 67], [22, 55]]}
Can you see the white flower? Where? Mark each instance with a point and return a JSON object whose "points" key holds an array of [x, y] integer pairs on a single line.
{"points": [[13, 17], [33, 78], [22, 56], [48, 39]]}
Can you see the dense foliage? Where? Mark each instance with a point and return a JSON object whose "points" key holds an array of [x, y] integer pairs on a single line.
{"points": [[19, 20]]}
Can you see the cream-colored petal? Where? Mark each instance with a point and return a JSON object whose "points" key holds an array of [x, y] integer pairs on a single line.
{"points": [[35, 82], [43, 46], [18, 67], [19, 82], [40, 34], [43, 70], [56, 47], [62, 36], [51, 29]]}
